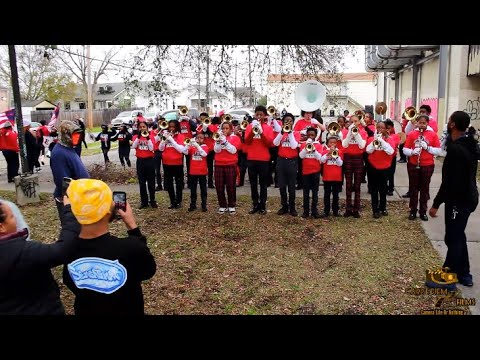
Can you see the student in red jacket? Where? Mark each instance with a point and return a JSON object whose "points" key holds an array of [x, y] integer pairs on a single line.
{"points": [[9, 148], [332, 176], [311, 172], [287, 163], [396, 143], [421, 146], [198, 152], [427, 110], [173, 149], [145, 167], [226, 159], [380, 154], [207, 133], [258, 158], [353, 147]]}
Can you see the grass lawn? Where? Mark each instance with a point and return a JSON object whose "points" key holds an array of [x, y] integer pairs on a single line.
{"points": [[254, 264], [95, 148]]}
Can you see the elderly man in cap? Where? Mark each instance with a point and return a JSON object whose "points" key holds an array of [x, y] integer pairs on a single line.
{"points": [[105, 272], [64, 160]]}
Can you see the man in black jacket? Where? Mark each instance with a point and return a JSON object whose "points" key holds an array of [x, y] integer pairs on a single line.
{"points": [[459, 193], [27, 286], [106, 272]]}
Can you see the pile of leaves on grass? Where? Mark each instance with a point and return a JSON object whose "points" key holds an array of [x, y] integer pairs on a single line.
{"points": [[112, 173], [269, 264]]}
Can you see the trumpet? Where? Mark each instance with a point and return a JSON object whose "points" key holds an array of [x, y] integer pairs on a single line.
{"points": [[355, 130], [271, 110], [360, 114], [227, 117], [411, 113], [244, 124], [145, 133], [187, 141], [207, 121], [183, 111], [163, 125], [334, 154], [376, 144], [256, 130], [310, 147], [216, 136], [287, 128]]}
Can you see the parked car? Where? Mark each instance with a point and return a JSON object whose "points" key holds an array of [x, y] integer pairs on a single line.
{"points": [[239, 114], [125, 118], [150, 116], [174, 115]]}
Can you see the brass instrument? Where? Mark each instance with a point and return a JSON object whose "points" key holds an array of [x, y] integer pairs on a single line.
{"points": [[419, 139], [145, 133], [411, 114], [287, 128], [334, 154], [187, 141], [360, 114], [355, 130], [244, 124], [256, 130], [183, 111], [376, 144], [310, 147], [207, 121], [333, 128], [227, 117], [163, 125], [381, 108], [271, 110]]}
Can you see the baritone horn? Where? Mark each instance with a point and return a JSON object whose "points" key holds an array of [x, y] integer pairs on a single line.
{"points": [[411, 113], [271, 110], [183, 111]]}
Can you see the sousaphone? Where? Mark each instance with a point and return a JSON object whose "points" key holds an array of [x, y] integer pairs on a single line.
{"points": [[310, 95]]}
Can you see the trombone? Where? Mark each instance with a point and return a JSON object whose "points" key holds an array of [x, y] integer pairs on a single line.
{"points": [[163, 125]]}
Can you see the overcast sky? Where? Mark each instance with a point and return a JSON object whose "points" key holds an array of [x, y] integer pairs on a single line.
{"points": [[354, 64]]}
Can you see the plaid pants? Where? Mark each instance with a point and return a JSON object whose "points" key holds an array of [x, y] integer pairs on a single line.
{"points": [[419, 181], [353, 167], [225, 176]]}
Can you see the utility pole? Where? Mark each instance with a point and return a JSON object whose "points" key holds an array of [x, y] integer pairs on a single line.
{"points": [[18, 108], [207, 94], [199, 79], [89, 91], [235, 86], [250, 76]]}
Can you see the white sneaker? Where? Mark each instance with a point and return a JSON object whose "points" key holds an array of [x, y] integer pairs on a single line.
{"points": [[232, 211], [222, 210]]}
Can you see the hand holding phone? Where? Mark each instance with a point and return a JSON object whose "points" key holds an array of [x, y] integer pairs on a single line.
{"points": [[120, 200]]}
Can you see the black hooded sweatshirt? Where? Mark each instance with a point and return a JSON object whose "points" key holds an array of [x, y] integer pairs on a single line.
{"points": [[459, 186], [27, 286]]}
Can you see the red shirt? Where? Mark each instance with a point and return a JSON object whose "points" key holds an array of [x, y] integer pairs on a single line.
{"points": [[303, 124], [198, 163], [141, 151], [431, 138], [156, 144], [224, 158], [170, 155], [404, 124], [310, 165], [185, 129], [284, 149], [353, 148], [8, 140], [258, 145], [379, 159], [396, 142], [331, 171], [372, 128], [433, 124]]}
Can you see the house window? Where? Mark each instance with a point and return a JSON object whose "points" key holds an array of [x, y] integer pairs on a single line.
{"points": [[67, 105], [81, 106]]}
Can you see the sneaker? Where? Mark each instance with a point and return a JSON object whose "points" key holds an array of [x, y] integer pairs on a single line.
{"points": [[232, 210], [262, 211], [406, 195], [376, 215], [316, 215], [211, 186], [254, 210], [38, 169], [401, 161], [222, 210], [158, 188], [412, 216], [192, 208], [336, 214], [466, 280], [172, 206], [154, 205], [178, 206], [282, 211], [204, 208], [424, 217], [384, 212]]}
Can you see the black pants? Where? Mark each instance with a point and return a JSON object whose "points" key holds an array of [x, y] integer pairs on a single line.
{"points": [[456, 240], [124, 155], [331, 188], [158, 164], [299, 174], [78, 149], [242, 164], [366, 165], [391, 176], [272, 173], [378, 184], [210, 158], [171, 172], [105, 154], [311, 183], [187, 159], [202, 180], [402, 155], [146, 178], [60, 207], [286, 174], [13, 163], [32, 159], [258, 174]]}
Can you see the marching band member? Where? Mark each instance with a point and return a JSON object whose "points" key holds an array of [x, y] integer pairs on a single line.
{"points": [[332, 175], [396, 142], [242, 154], [258, 142], [207, 134], [143, 146], [404, 123], [105, 136], [421, 145], [173, 148], [311, 171], [427, 110], [370, 130], [272, 172], [188, 129], [353, 144], [287, 162], [157, 158], [198, 152], [226, 158], [123, 137], [380, 154]]}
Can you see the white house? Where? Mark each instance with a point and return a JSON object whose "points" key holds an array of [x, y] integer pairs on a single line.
{"points": [[192, 97], [347, 91]]}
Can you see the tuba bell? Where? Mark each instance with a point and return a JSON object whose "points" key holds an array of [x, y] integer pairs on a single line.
{"points": [[310, 95], [271, 110], [411, 113], [333, 128], [183, 111]]}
